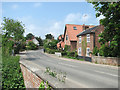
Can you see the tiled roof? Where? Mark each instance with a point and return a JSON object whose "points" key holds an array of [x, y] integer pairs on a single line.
{"points": [[89, 30], [73, 33]]}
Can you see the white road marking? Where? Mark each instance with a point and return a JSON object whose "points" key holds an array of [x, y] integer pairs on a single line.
{"points": [[106, 73], [67, 64]]}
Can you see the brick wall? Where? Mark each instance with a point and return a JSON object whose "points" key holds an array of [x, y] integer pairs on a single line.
{"points": [[73, 45], [89, 44], [31, 80], [106, 60], [67, 42]]}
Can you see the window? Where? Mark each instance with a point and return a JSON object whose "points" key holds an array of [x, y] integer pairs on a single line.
{"points": [[79, 39], [66, 37], [88, 37], [74, 28], [79, 51], [87, 52]]}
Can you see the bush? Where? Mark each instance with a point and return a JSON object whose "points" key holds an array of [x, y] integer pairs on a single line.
{"points": [[11, 72], [51, 51], [67, 48], [95, 51], [64, 53], [31, 46], [71, 54]]}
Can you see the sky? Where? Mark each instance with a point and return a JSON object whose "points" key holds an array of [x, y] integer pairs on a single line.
{"points": [[41, 18]]}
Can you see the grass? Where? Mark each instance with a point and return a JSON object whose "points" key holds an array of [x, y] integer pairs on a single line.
{"points": [[11, 73]]}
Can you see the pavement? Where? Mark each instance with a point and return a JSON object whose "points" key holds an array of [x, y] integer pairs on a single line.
{"points": [[79, 74]]}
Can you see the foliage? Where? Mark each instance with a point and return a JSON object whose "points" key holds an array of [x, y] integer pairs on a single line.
{"points": [[67, 48], [84, 46], [12, 33], [110, 38], [44, 85], [40, 41], [11, 73], [29, 36], [60, 76], [50, 51], [64, 53], [49, 36], [53, 44], [95, 51], [31, 46]]}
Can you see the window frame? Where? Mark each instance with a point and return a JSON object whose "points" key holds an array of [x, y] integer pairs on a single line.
{"points": [[80, 39], [87, 52], [75, 28], [79, 51], [88, 37]]}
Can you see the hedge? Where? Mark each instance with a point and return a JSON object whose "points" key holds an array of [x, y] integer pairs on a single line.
{"points": [[11, 73]]}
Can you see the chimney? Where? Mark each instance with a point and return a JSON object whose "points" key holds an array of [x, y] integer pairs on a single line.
{"points": [[83, 27]]}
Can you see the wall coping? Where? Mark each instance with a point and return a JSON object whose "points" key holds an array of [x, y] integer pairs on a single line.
{"points": [[40, 72], [106, 57]]}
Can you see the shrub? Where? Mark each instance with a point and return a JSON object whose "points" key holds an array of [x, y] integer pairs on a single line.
{"points": [[31, 46], [64, 53], [11, 73], [75, 55], [70, 54], [95, 51], [51, 51], [67, 48]]}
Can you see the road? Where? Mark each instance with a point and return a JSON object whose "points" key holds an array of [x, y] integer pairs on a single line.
{"points": [[78, 74]]}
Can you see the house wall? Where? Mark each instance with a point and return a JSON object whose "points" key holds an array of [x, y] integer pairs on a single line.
{"points": [[99, 30], [73, 45], [89, 44], [67, 42]]}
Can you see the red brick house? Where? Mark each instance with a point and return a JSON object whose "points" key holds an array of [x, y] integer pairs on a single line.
{"points": [[71, 32], [61, 44], [91, 35]]}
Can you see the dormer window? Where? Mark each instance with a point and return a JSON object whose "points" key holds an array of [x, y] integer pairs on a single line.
{"points": [[74, 28]]}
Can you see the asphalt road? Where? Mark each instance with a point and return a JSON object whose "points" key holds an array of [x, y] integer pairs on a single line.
{"points": [[78, 74]]}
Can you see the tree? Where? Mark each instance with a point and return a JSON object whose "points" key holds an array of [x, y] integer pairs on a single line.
{"points": [[29, 36], [49, 36], [53, 44], [110, 38], [12, 33], [40, 41]]}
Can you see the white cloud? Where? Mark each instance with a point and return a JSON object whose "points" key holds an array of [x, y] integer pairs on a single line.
{"points": [[77, 18], [55, 27], [37, 4], [73, 17], [100, 17], [15, 6]]}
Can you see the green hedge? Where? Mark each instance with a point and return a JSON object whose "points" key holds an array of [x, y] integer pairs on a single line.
{"points": [[11, 72]]}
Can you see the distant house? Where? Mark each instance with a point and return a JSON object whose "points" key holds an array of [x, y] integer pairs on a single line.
{"points": [[71, 32], [61, 44], [91, 35], [34, 40]]}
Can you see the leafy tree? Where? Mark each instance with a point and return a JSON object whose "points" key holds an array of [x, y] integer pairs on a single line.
{"points": [[110, 38], [29, 36], [49, 36], [12, 29], [53, 44], [40, 41]]}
